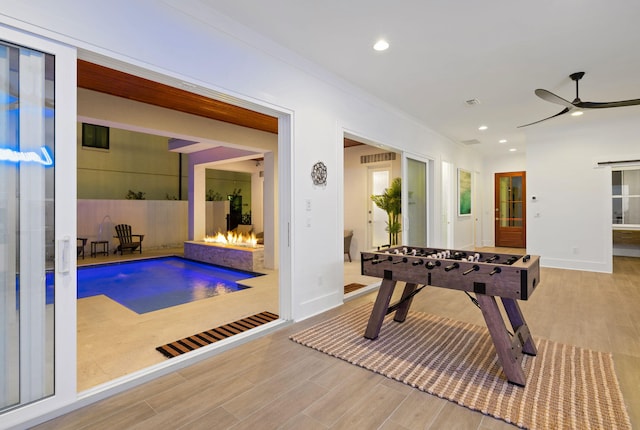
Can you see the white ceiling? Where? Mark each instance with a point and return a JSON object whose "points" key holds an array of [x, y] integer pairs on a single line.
{"points": [[444, 52]]}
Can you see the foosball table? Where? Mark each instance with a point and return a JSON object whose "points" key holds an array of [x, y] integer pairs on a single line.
{"points": [[487, 275]]}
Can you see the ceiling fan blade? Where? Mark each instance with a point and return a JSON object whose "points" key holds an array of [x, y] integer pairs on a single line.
{"points": [[565, 110], [597, 105], [550, 97]]}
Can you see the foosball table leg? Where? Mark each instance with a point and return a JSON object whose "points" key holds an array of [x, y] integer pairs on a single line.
{"points": [[405, 302], [509, 352], [380, 308], [519, 325]]}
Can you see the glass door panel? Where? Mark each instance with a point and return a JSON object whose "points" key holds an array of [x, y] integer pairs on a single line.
{"points": [[416, 219], [27, 298]]}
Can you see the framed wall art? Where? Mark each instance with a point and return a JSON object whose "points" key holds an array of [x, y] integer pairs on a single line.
{"points": [[464, 192]]}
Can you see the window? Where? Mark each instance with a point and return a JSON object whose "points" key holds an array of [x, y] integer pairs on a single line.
{"points": [[626, 196], [95, 136]]}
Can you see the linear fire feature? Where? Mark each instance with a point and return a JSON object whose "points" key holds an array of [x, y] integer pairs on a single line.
{"points": [[237, 257]]}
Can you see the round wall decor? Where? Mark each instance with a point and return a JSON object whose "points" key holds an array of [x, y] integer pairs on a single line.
{"points": [[319, 173]]}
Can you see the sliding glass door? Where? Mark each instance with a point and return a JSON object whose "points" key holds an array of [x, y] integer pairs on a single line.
{"points": [[416, 223], [37, 265], [27, 224]]}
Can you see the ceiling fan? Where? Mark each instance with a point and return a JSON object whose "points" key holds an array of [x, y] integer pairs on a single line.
{"points": [[576, 104]]}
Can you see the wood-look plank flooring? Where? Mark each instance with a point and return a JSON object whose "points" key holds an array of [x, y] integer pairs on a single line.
{"points": [[274, 383]]}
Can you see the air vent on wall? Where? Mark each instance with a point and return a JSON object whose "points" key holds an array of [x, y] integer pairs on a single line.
{"points": [[373, 158], [472, 102], [471, 142]]}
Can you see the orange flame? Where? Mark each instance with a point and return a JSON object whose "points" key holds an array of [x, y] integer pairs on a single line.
{"points": [[237, 239]]}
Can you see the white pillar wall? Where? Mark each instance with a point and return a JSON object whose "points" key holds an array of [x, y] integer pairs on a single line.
{"points": [[270, 209], [197, 205], [257, 201]]}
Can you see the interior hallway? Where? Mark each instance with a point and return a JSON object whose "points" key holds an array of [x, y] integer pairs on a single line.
{"points": [[273, 382]]}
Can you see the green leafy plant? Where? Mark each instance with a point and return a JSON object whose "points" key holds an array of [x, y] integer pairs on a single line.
{"points": [[135, 195], [391, 202], [246, 218], [214, 196]]}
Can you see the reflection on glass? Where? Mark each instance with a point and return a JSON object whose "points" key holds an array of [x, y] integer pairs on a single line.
{"points": [[417, 202], [626, 196], [26, 226], [511, 204]]}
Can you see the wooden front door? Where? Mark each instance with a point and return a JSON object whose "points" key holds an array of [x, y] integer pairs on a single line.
{"points": [[510, 209]]}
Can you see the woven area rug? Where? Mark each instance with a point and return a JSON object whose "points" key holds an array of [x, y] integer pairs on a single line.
{"points": [[567, 387], [208, 337]]}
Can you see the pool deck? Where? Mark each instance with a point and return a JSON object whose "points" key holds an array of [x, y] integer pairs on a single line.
{"points": [[111, 258], [114, 341]]}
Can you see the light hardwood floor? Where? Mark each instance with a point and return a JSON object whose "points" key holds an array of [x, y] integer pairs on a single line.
{"points": [[273, 382]]}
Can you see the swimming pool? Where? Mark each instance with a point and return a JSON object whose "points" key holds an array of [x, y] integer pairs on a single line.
{"points": [[152, 284]]}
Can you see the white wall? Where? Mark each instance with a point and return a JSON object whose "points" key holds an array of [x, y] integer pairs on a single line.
{"points": [[573, 198], [512, 162], [163, 222], [134, 161]]}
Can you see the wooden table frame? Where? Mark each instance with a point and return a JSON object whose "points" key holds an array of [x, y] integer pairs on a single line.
{"points": [[510, 348]]}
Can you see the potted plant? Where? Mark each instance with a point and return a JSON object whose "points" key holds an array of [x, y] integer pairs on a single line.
{"points": [[390, 202]]}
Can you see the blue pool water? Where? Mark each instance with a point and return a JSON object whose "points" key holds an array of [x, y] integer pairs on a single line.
{"points": [[149, 285]]}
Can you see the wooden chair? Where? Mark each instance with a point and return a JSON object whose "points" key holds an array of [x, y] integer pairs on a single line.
{"points": [[127, 240], [348, 235], [82, 242]]}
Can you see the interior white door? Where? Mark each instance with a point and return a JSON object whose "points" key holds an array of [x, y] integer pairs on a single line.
{"points": [[448, 201], [378, 181]]}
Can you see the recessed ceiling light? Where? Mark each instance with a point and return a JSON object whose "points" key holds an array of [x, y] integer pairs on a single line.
{"points": [[577, 113], [381, 45], [482, 127], [512, 150], [502, 141]]}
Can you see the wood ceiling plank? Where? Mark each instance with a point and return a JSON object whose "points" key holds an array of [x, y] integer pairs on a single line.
{"points": [[105, 80]]}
